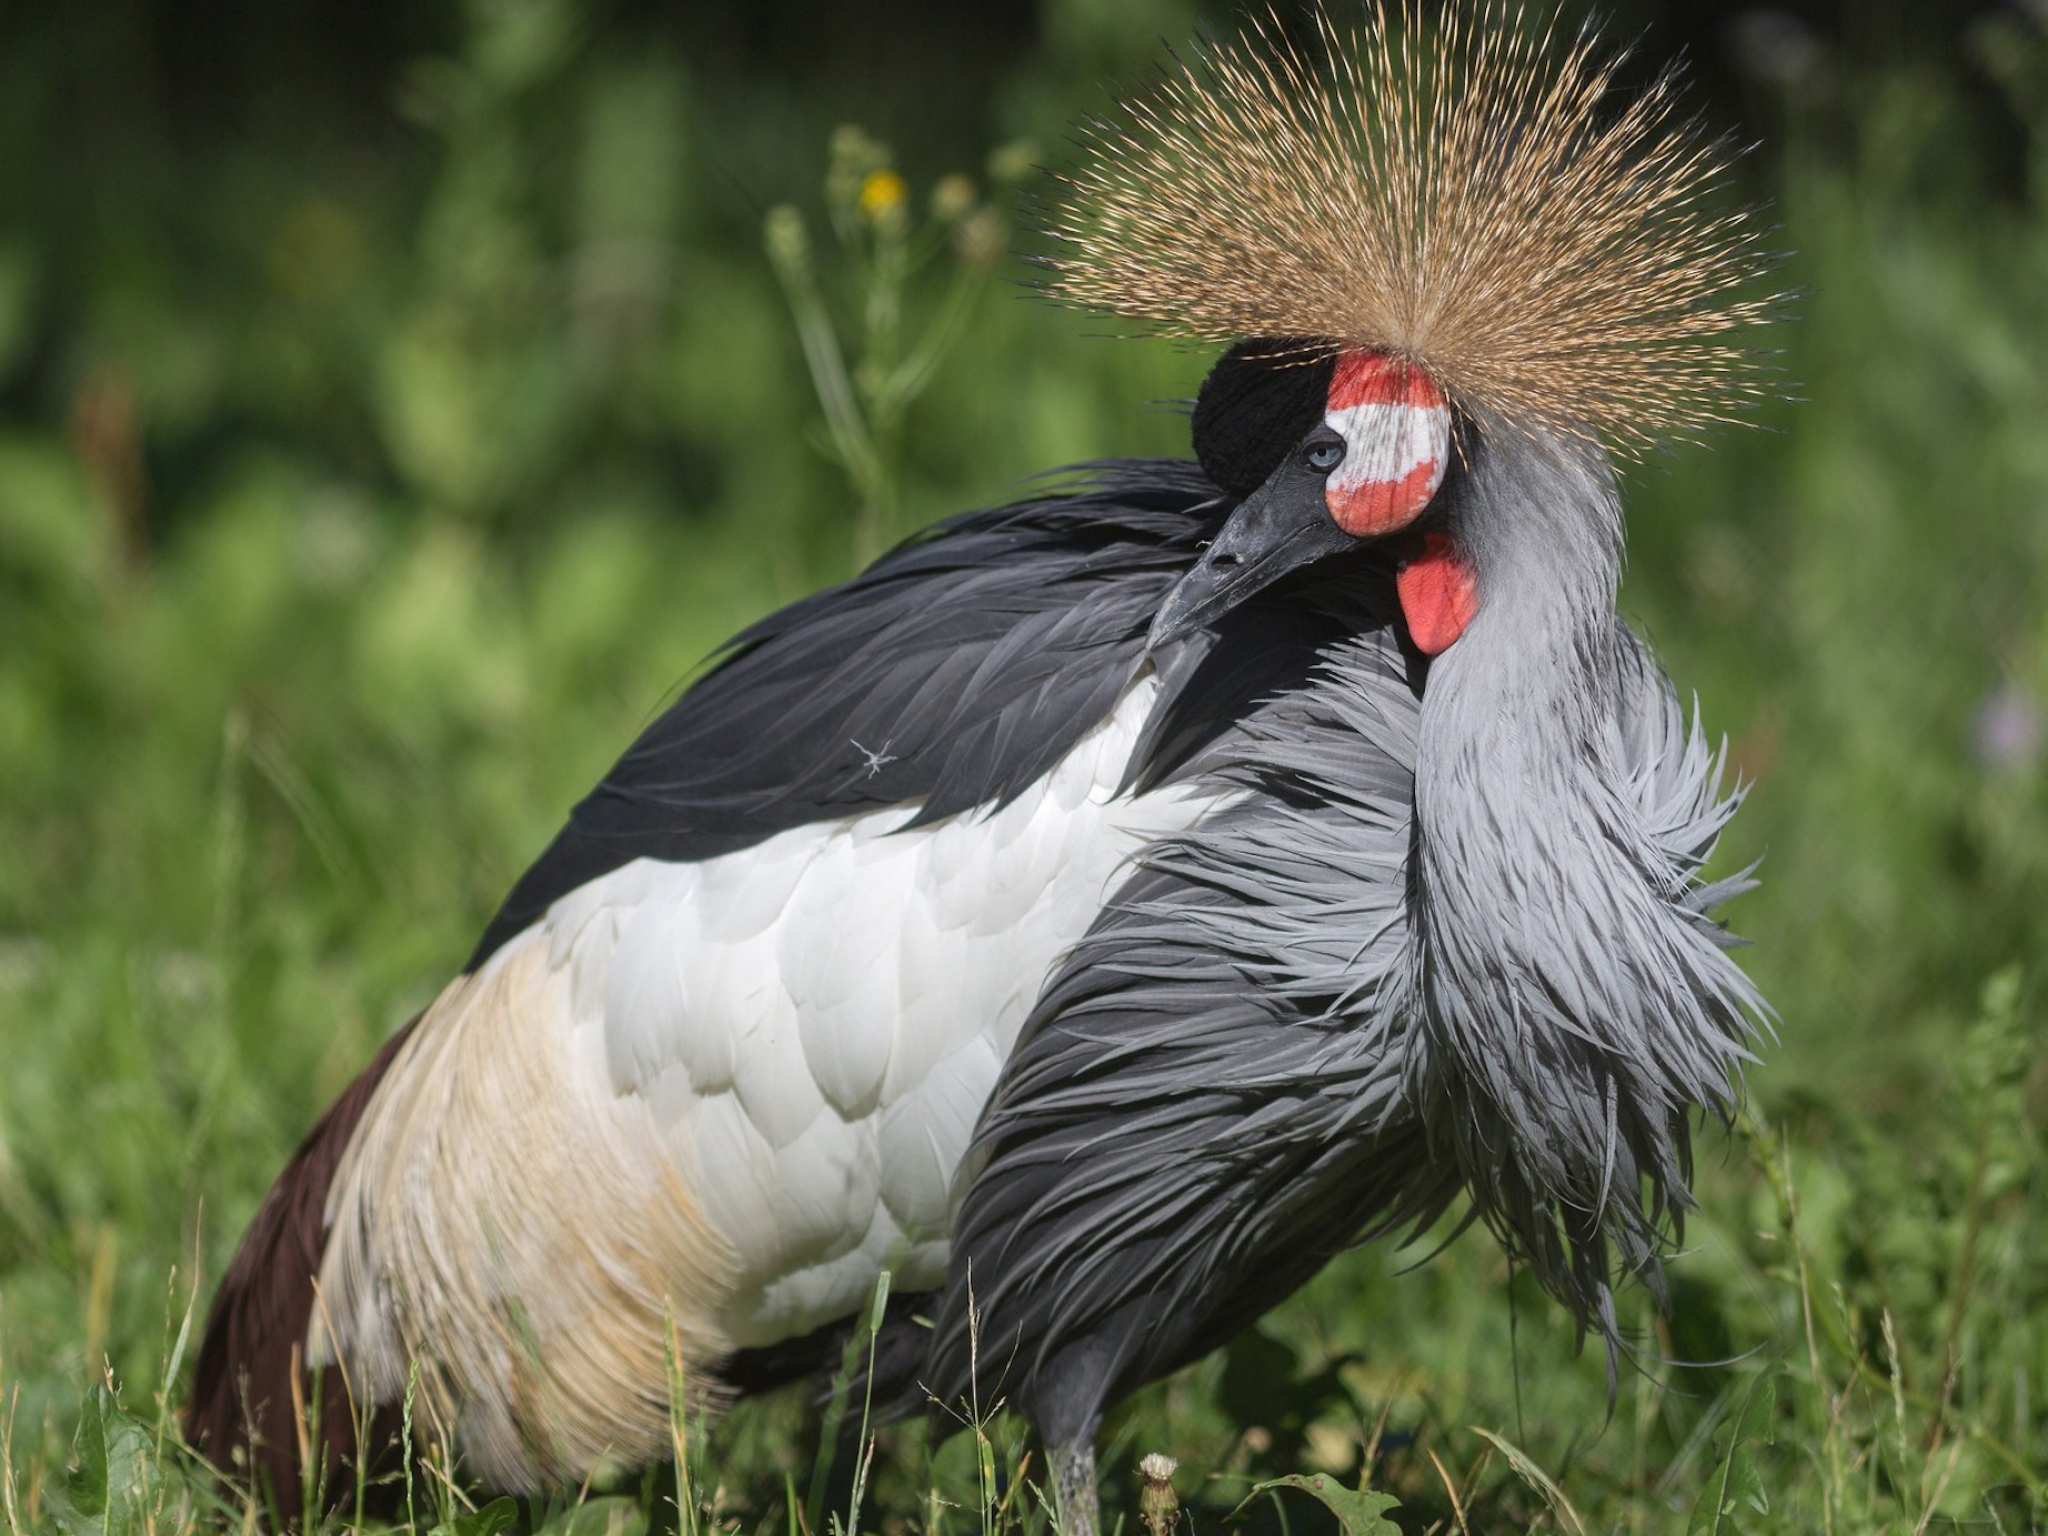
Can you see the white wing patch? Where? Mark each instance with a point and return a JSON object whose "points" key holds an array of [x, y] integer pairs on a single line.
{"points": [[839, 1000], [714, 1097]]}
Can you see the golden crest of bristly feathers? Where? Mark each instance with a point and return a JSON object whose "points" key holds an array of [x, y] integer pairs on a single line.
{"points": [[1464, 191]]}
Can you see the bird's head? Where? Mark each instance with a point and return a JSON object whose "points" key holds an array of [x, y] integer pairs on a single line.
{"points": [[1326, 446], [1445, 228]]}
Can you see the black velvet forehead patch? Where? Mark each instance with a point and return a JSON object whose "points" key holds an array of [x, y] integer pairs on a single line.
{"points": [[1260, 399]]}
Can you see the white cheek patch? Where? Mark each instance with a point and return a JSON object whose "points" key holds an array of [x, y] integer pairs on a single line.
{"points": [[1393, 464], [1388, 443]]}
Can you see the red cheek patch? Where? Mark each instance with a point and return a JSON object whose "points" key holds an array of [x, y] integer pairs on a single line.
{"points": [[1396, 427], [1439, 595], [1373, 378], [1383, 506]]}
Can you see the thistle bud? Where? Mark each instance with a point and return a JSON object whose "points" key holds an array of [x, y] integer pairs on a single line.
{"points": [[952, 198], [852, 158], [1157, 1505], [979, 238], [1013, 162], [784, 235]]}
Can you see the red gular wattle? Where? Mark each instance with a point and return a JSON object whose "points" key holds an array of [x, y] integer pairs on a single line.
{"points": [[1439, 594], [1396, 427]]}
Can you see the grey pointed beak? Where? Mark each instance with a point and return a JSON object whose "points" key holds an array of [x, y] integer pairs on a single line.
{"points": [[1282, 526]]}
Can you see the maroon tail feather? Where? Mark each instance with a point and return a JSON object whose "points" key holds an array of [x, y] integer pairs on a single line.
{"points": [[241, 1413]]}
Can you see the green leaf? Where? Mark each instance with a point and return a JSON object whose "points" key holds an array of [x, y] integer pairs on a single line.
{"points": [[106, 1489], [1527, 1470], [1737, 1481], [87, 1482], [498, 1515], [607, 1515], [1359, 1512]]}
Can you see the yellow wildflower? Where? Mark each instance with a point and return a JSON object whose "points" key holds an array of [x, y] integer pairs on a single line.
{"points": [[882, 195]]}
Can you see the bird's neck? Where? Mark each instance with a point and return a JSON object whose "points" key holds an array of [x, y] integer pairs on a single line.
{"points": [[1515, 713], [1538, 525], [1539, 900]]}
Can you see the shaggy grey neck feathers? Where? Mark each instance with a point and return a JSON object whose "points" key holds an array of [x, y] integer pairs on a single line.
{"points": [[1575, 1000], [1454, 942]]}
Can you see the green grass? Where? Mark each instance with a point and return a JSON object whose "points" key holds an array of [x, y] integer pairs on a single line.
{"points": [[277, 732]]}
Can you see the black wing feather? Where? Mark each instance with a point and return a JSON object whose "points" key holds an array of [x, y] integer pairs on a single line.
{"points": [[967, 661]]}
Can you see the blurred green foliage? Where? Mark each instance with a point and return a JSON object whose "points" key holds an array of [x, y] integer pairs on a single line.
{"points": [[363, 490]]}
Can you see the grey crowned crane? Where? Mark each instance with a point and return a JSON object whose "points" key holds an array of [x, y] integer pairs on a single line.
{"points": [[1107, 908]]}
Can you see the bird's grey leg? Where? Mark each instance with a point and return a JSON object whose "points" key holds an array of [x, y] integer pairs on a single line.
{"points": [[1073, 1485]]}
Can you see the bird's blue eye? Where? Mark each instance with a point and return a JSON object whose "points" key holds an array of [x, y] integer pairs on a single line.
{"points": [[1323, 456]]}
